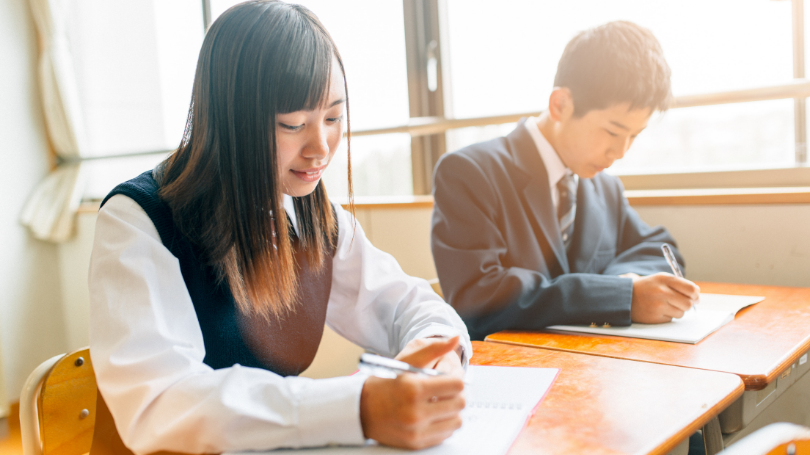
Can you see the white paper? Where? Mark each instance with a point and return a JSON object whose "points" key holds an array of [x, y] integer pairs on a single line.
{"points": [[732, 303], [500, 401], [713, 312]]}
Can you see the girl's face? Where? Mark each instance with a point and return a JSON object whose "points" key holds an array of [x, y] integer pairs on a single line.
{"points": [[307, 140]]}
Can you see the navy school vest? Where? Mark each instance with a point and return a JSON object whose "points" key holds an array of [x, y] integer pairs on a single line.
{"points": [[285, 345]]}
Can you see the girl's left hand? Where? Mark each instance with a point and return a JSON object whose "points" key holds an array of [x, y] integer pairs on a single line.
{"points": [[422, 353]]}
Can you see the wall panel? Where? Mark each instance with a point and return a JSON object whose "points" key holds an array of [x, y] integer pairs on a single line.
{"points": [[31, 325]]}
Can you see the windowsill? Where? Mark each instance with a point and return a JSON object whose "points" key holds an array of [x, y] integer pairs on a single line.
{"points": [[719, 196], [666, 197], [360, 202], [796, 176], [389, 202]]}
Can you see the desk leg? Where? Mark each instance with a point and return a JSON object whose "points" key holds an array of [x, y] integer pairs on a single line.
{"points": [[712, 437]]}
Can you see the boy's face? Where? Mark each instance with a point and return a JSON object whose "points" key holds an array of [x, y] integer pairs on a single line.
{"points": [[591, 143]]}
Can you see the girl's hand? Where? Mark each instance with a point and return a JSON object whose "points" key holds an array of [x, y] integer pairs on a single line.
{"points": [[425, 353], [415, 411]]}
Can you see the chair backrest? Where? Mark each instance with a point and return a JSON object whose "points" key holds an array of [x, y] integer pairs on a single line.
{"points": [[775, 439], [58, 406], [106, 440], [800, 447], [62, 413], [67, 406]]}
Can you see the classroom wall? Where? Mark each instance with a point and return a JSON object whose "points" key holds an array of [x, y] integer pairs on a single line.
{"points": [[754, 244], [74, 264], [31, 324], [758, 244], [402, 232]]}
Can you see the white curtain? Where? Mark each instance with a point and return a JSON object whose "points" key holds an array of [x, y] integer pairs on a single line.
{"points": [[50, 210]]}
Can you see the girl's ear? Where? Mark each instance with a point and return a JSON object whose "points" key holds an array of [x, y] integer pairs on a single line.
{"points": [[560, 104]]}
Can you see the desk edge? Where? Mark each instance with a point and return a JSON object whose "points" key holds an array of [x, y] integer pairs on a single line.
{"points": [[751, 381]]}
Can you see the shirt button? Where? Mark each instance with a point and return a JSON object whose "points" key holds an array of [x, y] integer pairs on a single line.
{"points": [[565, 237]]}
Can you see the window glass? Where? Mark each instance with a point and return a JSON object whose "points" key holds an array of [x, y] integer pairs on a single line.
{"points": [[370, 36], [722, 137], [506, 62], [134, 65], [381, 166]]}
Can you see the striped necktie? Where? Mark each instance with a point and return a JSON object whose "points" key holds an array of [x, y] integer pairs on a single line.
{"points": [[567, 207]]}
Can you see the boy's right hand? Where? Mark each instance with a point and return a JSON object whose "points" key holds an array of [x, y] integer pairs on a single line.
{"points": [[413, 411], [661, 297]]}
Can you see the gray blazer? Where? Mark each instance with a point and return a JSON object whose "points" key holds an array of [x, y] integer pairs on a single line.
{"points": [[499, 252]]}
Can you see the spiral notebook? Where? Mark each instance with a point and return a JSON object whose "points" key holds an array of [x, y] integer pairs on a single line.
{"points": [[500, 401], [713, 311]]}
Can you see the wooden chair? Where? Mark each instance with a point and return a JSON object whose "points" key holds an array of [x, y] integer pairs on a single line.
{"points": [[774, 439], [62, 413]]}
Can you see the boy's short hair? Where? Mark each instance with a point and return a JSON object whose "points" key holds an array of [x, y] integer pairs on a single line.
{"points": [[615, 63]]}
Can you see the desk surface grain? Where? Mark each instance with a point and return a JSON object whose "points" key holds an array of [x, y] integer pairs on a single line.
{"points": [[759, 344], [599, 405]]}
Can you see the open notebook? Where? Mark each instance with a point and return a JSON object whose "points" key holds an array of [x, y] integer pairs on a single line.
{"points": [[500, 401], [713, 311]]}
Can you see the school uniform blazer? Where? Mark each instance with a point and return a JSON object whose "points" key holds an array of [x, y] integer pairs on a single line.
{"points": [[498, 249]]}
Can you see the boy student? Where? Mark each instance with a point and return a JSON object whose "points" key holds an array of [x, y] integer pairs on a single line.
{"points": [[529, 232]]}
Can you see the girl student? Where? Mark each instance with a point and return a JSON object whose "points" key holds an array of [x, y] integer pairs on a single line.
{"points": [[213, 274]]}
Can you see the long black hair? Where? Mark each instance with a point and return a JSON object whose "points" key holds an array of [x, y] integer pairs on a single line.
{"points": [[258, 59]]}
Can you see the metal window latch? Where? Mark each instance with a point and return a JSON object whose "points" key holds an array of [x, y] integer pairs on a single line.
{"points": [[432, 66]]}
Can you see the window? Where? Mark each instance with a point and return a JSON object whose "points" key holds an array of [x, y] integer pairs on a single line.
{"points": [[507, 65], [135, 65], [371, 39]]}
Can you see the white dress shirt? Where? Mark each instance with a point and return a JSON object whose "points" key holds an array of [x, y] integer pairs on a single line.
{"points": [[555, 168], [147, 347]]}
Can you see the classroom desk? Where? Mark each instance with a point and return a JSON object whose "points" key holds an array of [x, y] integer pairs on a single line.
{"points": [[764, 345], [599, 405], [596, 405]]}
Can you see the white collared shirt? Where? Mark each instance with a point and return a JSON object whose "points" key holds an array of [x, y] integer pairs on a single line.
{"points": [[147, 346], [555, 168]]}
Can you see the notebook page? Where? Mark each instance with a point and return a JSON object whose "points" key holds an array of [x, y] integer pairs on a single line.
{"points": [[500, 401], [723, 302], [713, 312], [691, 328]]}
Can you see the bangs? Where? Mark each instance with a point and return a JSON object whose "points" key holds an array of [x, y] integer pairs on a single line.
{"points": [[306, 58]]}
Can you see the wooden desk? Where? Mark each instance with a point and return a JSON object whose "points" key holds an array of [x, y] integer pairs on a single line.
{"points": [[599, 405], [762, 342]]}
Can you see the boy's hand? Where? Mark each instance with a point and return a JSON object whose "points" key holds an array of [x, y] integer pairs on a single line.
{"points": [[415, 411], [661, 297]]}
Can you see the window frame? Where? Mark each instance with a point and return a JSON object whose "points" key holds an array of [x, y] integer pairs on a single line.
{"points": [[798, 89], [426, 21]]}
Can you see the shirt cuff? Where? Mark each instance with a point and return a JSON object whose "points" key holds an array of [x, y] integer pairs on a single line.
{"points": [[329, 411]]}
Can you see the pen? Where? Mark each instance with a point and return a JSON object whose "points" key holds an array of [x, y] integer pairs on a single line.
{"points": [[383, 367], [673, 263]]}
